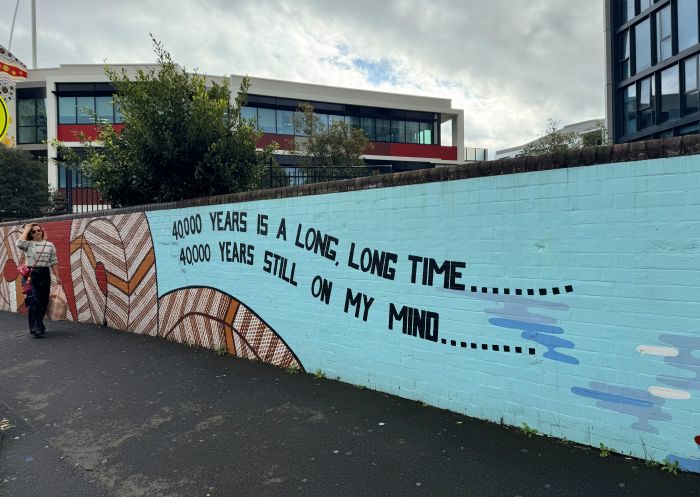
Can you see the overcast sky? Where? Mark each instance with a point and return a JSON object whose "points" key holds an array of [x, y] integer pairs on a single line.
{"points": [[510, 64]]}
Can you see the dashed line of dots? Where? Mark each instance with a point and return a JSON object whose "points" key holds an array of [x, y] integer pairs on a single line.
{"points": [[528, 291], [485, 346]]}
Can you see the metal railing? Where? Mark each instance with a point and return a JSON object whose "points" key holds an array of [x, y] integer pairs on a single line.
{"points": [[81, 196], [276, 176]]}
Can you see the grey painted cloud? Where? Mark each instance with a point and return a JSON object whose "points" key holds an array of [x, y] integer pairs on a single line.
{"points": [[510, 65]]}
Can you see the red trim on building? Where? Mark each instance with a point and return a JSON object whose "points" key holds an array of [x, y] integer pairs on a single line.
{"points": [[284, 142], [67, 132], [413, 150]]}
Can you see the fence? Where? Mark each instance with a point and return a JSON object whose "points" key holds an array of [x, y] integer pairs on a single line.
{"points": [[81, 196], [276, 176]]}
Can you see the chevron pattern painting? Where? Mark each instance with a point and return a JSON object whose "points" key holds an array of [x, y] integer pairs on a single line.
{"points": [[109, 276], [209, 318], [113, 270]]}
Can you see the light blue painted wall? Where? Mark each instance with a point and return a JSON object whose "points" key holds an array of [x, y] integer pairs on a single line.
{"points": [[626, 237]]}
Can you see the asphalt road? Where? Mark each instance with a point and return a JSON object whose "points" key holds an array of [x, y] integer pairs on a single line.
{"points": [[88, 411]]}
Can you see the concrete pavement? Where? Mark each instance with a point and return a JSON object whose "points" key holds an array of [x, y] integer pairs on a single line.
{"points": [[93, 412]]}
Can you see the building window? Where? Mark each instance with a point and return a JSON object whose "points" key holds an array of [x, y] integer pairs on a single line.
{"points": [[369, 126], [629, 97], [689, 129], [664, 45], [670, 95], [83, 109], [426, 134], [383, 130], [642, 43], [626, 10], [644, 4], [250, 114], [285, 122], [412, 132], [31, 120], [398, 131], [624, 55], [687, 23], [646, 102], [266, 120], [690, 88]]}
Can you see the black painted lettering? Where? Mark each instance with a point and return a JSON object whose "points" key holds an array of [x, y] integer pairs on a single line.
{"points": [[282, 230]]}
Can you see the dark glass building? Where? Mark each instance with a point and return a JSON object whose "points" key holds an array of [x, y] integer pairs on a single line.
{"points": [[652, 50]]}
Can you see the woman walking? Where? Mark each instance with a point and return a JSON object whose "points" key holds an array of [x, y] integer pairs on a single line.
{"points": [[41, 258]]}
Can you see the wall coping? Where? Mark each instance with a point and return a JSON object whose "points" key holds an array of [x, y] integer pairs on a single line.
{"points": [[606, 154]]}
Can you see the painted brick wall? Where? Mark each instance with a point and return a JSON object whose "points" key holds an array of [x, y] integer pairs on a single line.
{"points": [[567, 298]]}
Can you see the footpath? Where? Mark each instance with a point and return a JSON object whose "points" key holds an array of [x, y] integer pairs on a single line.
{"points": [[89, 412]]}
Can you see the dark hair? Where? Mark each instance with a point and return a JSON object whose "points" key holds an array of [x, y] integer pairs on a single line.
{"points": [[28, 236]]}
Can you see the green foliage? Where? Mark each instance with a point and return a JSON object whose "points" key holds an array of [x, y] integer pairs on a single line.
{"points": [[554, 140], [319, 375], [221, 351], [337, 148], [670, 467], [293, 369], [183, 137], [527, 430], [24, 190], [604, 450]]}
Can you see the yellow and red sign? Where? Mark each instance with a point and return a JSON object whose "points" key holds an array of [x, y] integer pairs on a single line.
{"points": [[4, 118]]}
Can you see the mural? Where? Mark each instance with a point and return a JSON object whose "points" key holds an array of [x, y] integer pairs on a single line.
{"points": [[11, 71], [565, 299]]}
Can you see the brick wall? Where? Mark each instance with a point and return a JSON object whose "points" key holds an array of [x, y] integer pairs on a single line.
{"points": [[562, 291]]}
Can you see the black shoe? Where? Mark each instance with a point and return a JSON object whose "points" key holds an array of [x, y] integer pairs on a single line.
{"points": [[39, 334], [32, 331]]}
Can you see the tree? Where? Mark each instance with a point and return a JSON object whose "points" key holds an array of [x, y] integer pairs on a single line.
{"points": [[183, 137], [24, 191], [335, 150], [555, 140]]}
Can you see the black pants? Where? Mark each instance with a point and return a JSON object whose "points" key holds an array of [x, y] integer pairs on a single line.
{"points": [[37, 303]]}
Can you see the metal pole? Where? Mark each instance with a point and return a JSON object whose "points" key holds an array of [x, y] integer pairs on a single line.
{"points": [[33, 34], [12, 29]]}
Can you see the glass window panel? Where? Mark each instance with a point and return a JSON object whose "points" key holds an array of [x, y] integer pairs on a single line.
{"points": [[663, 34], [104, 108], [27, 134], [643, 45], [398, 131], [426, 133], [383, 130], [86, 108], [689, 129], [626, 10], [250, 114], [41, 112], [118, 117], [66, 110], [412, 131], [646, 103], [354, 121], [322, 119], [687, 23], [691, 102], [630, 109], [332, 118], [691, 74], [369, 127], [285, 122], [624, 55], [40, 134], [670, 94], [266, 120], [26, 112], [644, 4]]}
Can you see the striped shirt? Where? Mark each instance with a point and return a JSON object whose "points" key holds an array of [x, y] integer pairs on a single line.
{"points": [[44, 250]]}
